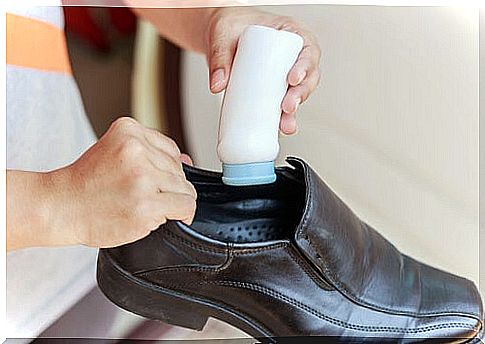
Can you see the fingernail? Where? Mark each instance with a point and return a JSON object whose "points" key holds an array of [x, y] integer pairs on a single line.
{"points": [[217, 79], [186, 159], [291, 126]]}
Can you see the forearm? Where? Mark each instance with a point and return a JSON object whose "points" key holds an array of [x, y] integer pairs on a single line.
{"points": [[32, 217], [186, 27]]}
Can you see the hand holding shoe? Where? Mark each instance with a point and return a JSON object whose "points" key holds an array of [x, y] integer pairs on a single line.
{"points": [[126, 185]]}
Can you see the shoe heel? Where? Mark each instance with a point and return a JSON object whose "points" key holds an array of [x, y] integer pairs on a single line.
{"points": [[158, 304], [178, 313]]}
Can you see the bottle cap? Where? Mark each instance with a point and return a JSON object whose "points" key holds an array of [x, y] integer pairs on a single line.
{"points": [[248, 174]]}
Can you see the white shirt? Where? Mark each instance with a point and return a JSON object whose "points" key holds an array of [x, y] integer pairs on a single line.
{"points": [[47, 128]]}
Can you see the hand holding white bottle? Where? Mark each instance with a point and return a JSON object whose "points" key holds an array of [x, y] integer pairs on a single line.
{"points": [[251, 109]]}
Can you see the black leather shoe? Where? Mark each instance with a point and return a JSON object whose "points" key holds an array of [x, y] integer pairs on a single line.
{"points": [[286, 259]]}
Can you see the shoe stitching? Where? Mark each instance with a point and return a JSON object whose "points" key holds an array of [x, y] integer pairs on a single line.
{"points": [[201, 268], [144, 283], [251, 250], [327, 271], [334, 280], [337, 322], [340, 286], [175, 240], [318, 314], [297, 260], [167, 231], [248, 251], [181, 251], [310, 273], [170, 269], [190, 268]]}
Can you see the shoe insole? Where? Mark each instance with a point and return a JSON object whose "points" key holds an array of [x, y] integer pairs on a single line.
{"points": [[245, 231]]}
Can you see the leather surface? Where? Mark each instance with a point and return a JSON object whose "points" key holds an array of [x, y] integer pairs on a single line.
{"points": [[369, 269], [310, 266]]}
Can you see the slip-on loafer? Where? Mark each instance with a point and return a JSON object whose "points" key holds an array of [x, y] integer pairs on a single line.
{"points": [[287, 259]]}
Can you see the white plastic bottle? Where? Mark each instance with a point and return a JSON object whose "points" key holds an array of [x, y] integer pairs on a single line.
{"points": [[251, 109]]}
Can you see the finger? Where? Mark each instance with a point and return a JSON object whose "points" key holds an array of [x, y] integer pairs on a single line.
{"points": [[162, 142], [125, 124], [186, 159], [297, 73], [164, 162], [298, 94], [168, 182], [290, 102], [307, 62], [162, 151], [288, 124], [312, 52], [175, 206], [221, 53]]}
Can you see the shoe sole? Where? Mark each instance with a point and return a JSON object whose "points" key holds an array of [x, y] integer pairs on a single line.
{"points": [[158, 303], [154, 302]]}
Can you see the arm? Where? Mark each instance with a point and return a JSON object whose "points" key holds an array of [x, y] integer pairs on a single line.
{"points": [[30, 200], [126, 185], [185, 27]]}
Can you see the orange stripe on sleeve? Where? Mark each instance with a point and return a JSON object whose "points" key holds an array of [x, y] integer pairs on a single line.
{"points": [[35, 44]]}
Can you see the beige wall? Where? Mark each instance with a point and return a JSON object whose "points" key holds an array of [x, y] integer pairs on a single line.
{"points": [[393, 128]]}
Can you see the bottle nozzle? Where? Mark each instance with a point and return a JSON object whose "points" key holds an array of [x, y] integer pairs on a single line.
{"points": [[248, 174]]}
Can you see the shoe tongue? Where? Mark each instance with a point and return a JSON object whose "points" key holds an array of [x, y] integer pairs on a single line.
{"points": [[329, 234]]}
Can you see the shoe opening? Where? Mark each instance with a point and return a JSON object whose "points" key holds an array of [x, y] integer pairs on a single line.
{"points": [[244, 214]]}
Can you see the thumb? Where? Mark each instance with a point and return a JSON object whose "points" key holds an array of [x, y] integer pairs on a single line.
{"points": [[221, 54], [186, 159]]}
